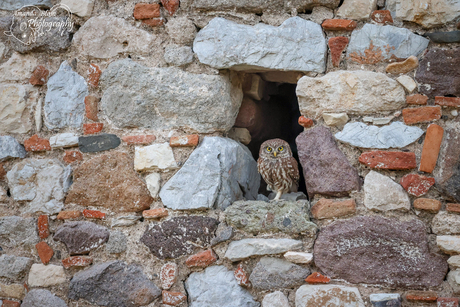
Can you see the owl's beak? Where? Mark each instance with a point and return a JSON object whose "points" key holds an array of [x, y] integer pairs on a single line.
{"points": [[274, 154]]}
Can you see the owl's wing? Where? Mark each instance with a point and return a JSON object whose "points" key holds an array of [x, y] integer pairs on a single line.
{"points": [[293, 168]]}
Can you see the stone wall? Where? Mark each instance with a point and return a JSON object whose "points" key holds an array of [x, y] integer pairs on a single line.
{"points": [[125, 179]]}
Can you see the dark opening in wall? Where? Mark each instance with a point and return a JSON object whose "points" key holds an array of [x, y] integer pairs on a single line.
{"points": [[270, 110]]}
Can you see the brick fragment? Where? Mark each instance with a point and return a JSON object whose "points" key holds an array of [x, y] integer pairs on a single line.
{"points": [[447, 302], [171, 6], [92, 128], [447, 101], [77, 261], [431, 205], [248, 114], [317, 278], [184, 141], [154, 22], [8, 303], [168, 275], [43, 226], [394, 160], [241, 276], [337, 45], [431, 147], [72, 156], [91, 107], [173, 298], [39, 75], [454, 208], [146, 11], [139, 139], [155, 213], [403, 67], [417, 185], [339, 25], [202, 259], [94, 73], [93, 214], [306, 122], [421, 296], [421, 114], [418, 99], [329, 208], [35, 143], [382, 16], [71, 214], [44, 252]]}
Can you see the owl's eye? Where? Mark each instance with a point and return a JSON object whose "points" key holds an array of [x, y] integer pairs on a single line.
{"points": [[269, 149], [281, 148]]}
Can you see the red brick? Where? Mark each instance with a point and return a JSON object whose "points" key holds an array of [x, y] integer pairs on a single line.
{"points": [[247, 114], [447, 302], [8, 303], [454, 208], [394, 160], [168, 275], [337, 45], [77, 261], [146, 11], [382, 16], [184, 141], [339, 25], [39, 75], [44, 252], [139, 139], [155, 213], [317, 278], [91, 107], [37, 144], [154, 22], [418, 99], [173, 298], [417, 185], [65, 215], [421, 115], [329, 208], [431, 148], [43, 226], [202, 259], [427, 204], [241, 276], [306, 122], [72, 156], [2, 172], [171, 6], [422, 296], [92, 128], [94, 73], [447, 101], [93, 214]]}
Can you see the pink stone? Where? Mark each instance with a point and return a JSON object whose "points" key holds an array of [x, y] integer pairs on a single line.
{"points": [[168, 275], [241, 276]]}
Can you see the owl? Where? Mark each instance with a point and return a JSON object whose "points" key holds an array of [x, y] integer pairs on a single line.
{"points": [[277, 166]]}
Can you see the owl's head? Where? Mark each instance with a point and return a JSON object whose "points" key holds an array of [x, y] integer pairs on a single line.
{"points": [[274, 149]]}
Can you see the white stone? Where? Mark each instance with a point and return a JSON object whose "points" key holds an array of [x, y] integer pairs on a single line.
{"points": [[124, 221], [381, 297], [153, 181], [335, 119], [408, 83], [3, 195], [379, 121], [449, 244], [299, 257], [275, 299], [181, 30], [241, 135], [82, 8], [357, 9], [355, 92], [454, 112], [41, 275], [245, 248], [445, 223], [454, 261], [18, 68], [154, 157], [3, 50], [453, 278], [328, 295], [178, 55], [381, 193], [395, 135], [64, 140], [15, 107]]}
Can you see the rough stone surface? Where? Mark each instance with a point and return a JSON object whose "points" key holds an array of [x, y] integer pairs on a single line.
{"points": [[217, 287], [10, 148], [335, 119], [381, 193], [153, 182], [417, 185], [168, 275], [299, 257], [241, 135], [42, 297], [385, 299], [326, 169], [41, 183], [274, 273], [17, 68], [407, 82], [15, 231], [15, 107], [245, 248], [395, 135], [178, 55], [445, 223], [353, 92], [328, 208], [14, 268], [96, 143], [228, 173], [357, 9], [167, 98], [81, 237], [449, 244], [125, 221], [453, 278], [399, 249], [98, 285], [260, 6], [64, 140], [117, 243], [41, 275], [177, 237], [181, 30], [156, 157], [275, 299], [403, 67], [328, 295], [296, 45], [12, 291], [393, 160], [11, 5], [260, 216]]}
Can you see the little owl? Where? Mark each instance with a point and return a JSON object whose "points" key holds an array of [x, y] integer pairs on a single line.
{"points": [[278, 167]]}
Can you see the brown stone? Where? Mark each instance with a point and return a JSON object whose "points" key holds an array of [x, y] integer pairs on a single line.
{"points": [[72, 156], [168, 275], [94, 73], [337, 45], [155, 213], [43, 226], [247, 115], [454, 208], [39, 75], [37, 144], [81, 237], [173, 298], [92, 128], [382, 16], [447, 302], [154, 22], [8, 303], [91, 107], [241, 276], [171, 6], [427, 204], [139, 139], [394, 160], [431, 148], [339, 25], [404, 67], [146, 11], [76, 261], [422, 296], [184, 141], [421, 114], [306, 122], [329, 208], [93, 214], [202, 259], [317, 278], [417, 185], [447, 101], [417, 99], [2, 172], [66, 215], [44, 252]]}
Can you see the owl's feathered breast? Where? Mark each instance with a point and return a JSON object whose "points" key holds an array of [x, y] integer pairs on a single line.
{"points": [[279, 174]]}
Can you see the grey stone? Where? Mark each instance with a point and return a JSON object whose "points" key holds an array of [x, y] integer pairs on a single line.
{"points": [[320, 14], [178, 55], [217, 287], [14, 268], [328, 295], [388, 42], [223, 233], [118, 243], [242, 249], [444, 37], [326, 169], [398, 252], [395, 135], [293, 196], [11, 5], [178, 236], [101, 285], [124, 221], [260, 216], [40, 183], [41, 298], [261, 197], [445, 223], [96, 143], [10, 148], [15, 231], [168, 98], [453, 278], [381, 193], [274, 273], [275, 299], [228, 172], [357, 9], [65, 99], [385, 300], [81, 237], [296, 45], [181, 30]]}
